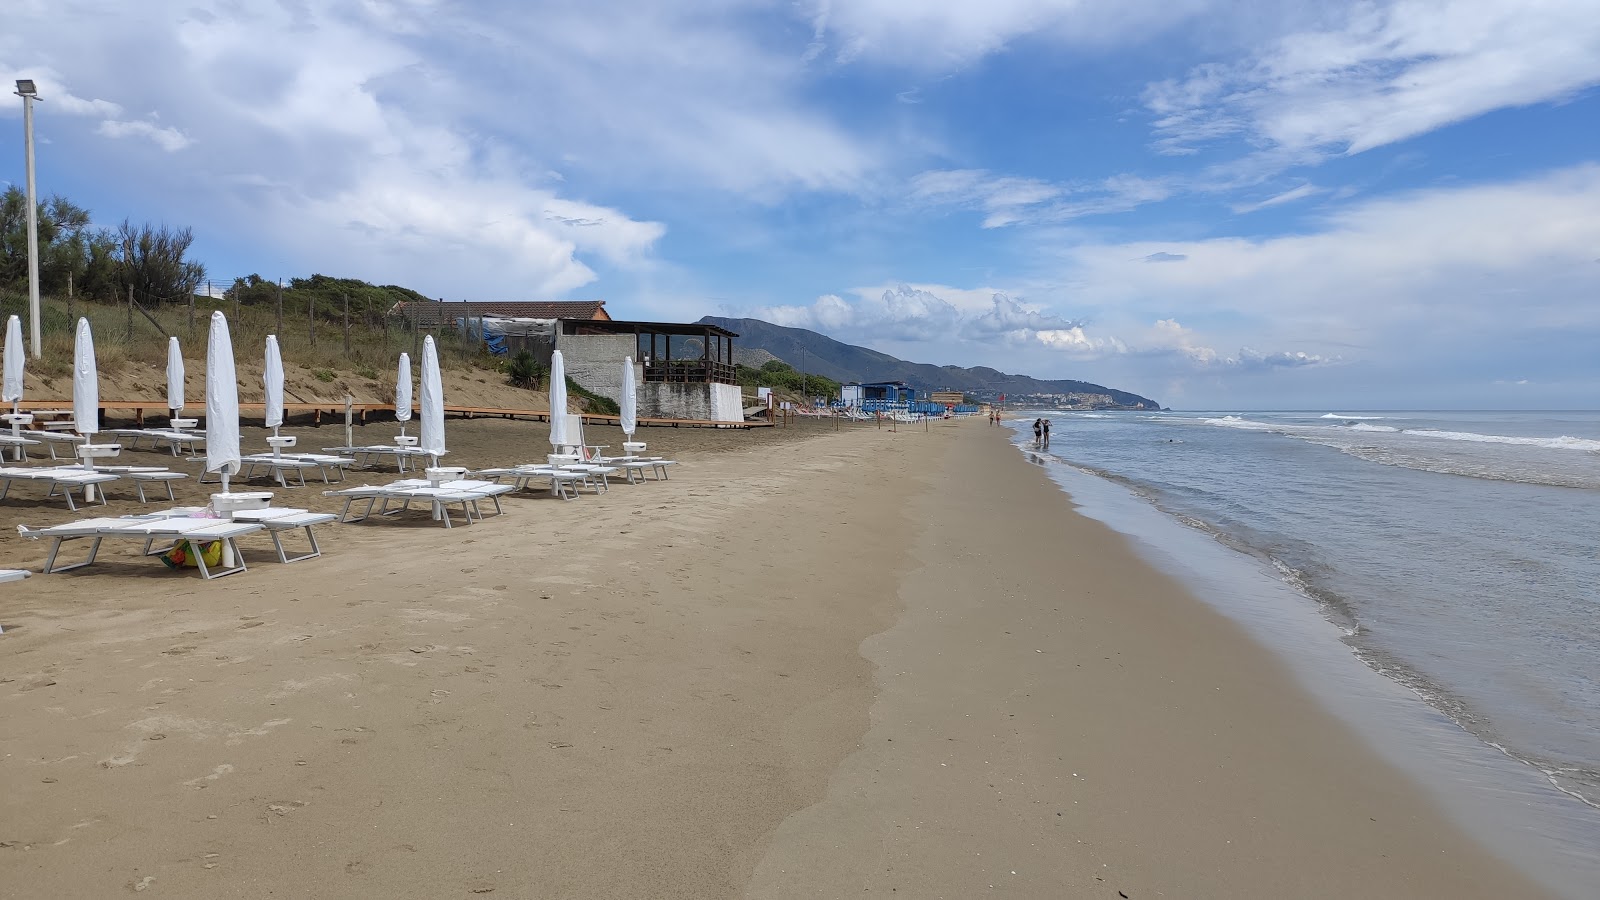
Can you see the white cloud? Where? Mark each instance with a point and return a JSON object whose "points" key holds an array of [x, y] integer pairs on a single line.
{"points": [[940, 35], [168, 139], [1009, 200], [1384, 72], [1289, 196]]}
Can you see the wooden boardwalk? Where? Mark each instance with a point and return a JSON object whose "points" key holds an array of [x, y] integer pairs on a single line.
{"points": [[360, 411]]}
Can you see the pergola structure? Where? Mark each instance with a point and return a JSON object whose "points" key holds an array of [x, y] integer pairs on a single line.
{"points": [[713, 364]]}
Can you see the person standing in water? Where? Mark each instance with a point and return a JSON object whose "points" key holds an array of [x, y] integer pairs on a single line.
{"points": [[1047, 434], [1038, 431]]}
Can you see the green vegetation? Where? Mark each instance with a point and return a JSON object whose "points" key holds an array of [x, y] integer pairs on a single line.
{"points": [[97, 263], [593, 402], [781, 376], [324, 375], [523, 370]]}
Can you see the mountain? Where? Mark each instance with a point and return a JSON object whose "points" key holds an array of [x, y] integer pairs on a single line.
{"points": [[812, 352]]}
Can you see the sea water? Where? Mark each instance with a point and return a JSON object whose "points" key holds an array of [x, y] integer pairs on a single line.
{"points": [[1452, 557]]}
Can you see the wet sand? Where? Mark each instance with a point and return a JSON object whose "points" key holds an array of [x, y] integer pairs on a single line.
{"points": [[811, 664]]}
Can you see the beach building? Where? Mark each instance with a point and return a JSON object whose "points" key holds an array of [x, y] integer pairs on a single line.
{"points": [[682, 371]]}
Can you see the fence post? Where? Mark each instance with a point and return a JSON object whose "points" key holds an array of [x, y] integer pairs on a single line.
{"points": [[346, 323], [311, 317], [280, 307]]}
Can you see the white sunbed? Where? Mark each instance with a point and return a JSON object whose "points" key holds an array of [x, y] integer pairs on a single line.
{"points": [[147, 529], [297, 463], [440, 497], [13, 574], [19, 444], [365, 456], [174, 439], [564, 483], [54, 440], [633, 463], [276, 520], [63, 479]]}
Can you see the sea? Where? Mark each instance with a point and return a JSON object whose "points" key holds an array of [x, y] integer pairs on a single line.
{"points": [[1432, 577]]}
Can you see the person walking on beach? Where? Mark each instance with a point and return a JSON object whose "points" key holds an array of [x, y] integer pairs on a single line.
{"points": [[1038, 431], [1047, 434]]}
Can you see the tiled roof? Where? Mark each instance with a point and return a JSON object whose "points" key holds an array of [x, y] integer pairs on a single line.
{"points": [[527, 309]]}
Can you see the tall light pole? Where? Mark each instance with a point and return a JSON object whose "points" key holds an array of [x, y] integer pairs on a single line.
{"points": [[29, 93]]}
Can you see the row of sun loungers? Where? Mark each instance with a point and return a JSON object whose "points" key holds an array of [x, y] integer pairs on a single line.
{"points": [[162, 531]]}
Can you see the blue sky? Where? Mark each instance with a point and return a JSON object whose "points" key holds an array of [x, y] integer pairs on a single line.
{"points": [[1380, 204]]}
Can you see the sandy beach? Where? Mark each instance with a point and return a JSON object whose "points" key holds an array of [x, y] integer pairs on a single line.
{"points": [[812, 664]]}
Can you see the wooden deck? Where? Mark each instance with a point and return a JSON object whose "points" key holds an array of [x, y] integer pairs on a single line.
{"points": [[360, 411]]}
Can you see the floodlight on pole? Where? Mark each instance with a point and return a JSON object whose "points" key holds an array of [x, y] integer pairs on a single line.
{"points": [[29, 93]]}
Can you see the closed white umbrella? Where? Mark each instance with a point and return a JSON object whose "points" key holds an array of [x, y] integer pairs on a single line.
{"points": [[558, 402], [85, 396], [174, 377], [273, 376], [402, 393], [630, 399], [222, 402], [85, 383], [432, 402], [11, 392], [13, 363]]}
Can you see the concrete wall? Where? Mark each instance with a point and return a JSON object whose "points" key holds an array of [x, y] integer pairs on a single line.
{"points": [[595, 361], [714, 402]]}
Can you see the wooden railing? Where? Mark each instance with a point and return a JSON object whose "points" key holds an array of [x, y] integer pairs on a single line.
{"points": [[690, 371]]}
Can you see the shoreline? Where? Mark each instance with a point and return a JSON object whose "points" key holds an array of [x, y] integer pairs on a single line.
{"points": [[1505, 800], [689, 689]]}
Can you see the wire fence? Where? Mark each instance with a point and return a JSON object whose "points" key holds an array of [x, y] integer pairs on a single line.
{"points": [[365, 335]]}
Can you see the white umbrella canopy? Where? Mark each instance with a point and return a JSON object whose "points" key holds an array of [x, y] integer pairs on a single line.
{"points": [[432, 441], [273, 376], [402, 392], [222, 402], [13, 362], [630, 399], [558, 402], [174, 376], [85, 383]]}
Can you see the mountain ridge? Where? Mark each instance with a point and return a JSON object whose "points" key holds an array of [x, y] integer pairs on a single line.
{"points": [[812, 352]]}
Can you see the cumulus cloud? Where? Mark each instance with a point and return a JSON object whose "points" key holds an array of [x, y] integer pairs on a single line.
{"points": [[1007, 316], [346, 137]]}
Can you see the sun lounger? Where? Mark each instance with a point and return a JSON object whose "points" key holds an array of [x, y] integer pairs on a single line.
{"points": [[62, 440], [276, 520], [440, 497], [61, 479], [366, 456], [19, 444], [299, 463], [563, 482], [148, 529]]}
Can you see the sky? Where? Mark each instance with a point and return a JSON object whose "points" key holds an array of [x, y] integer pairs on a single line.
{"points": [[1376, 205]]}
